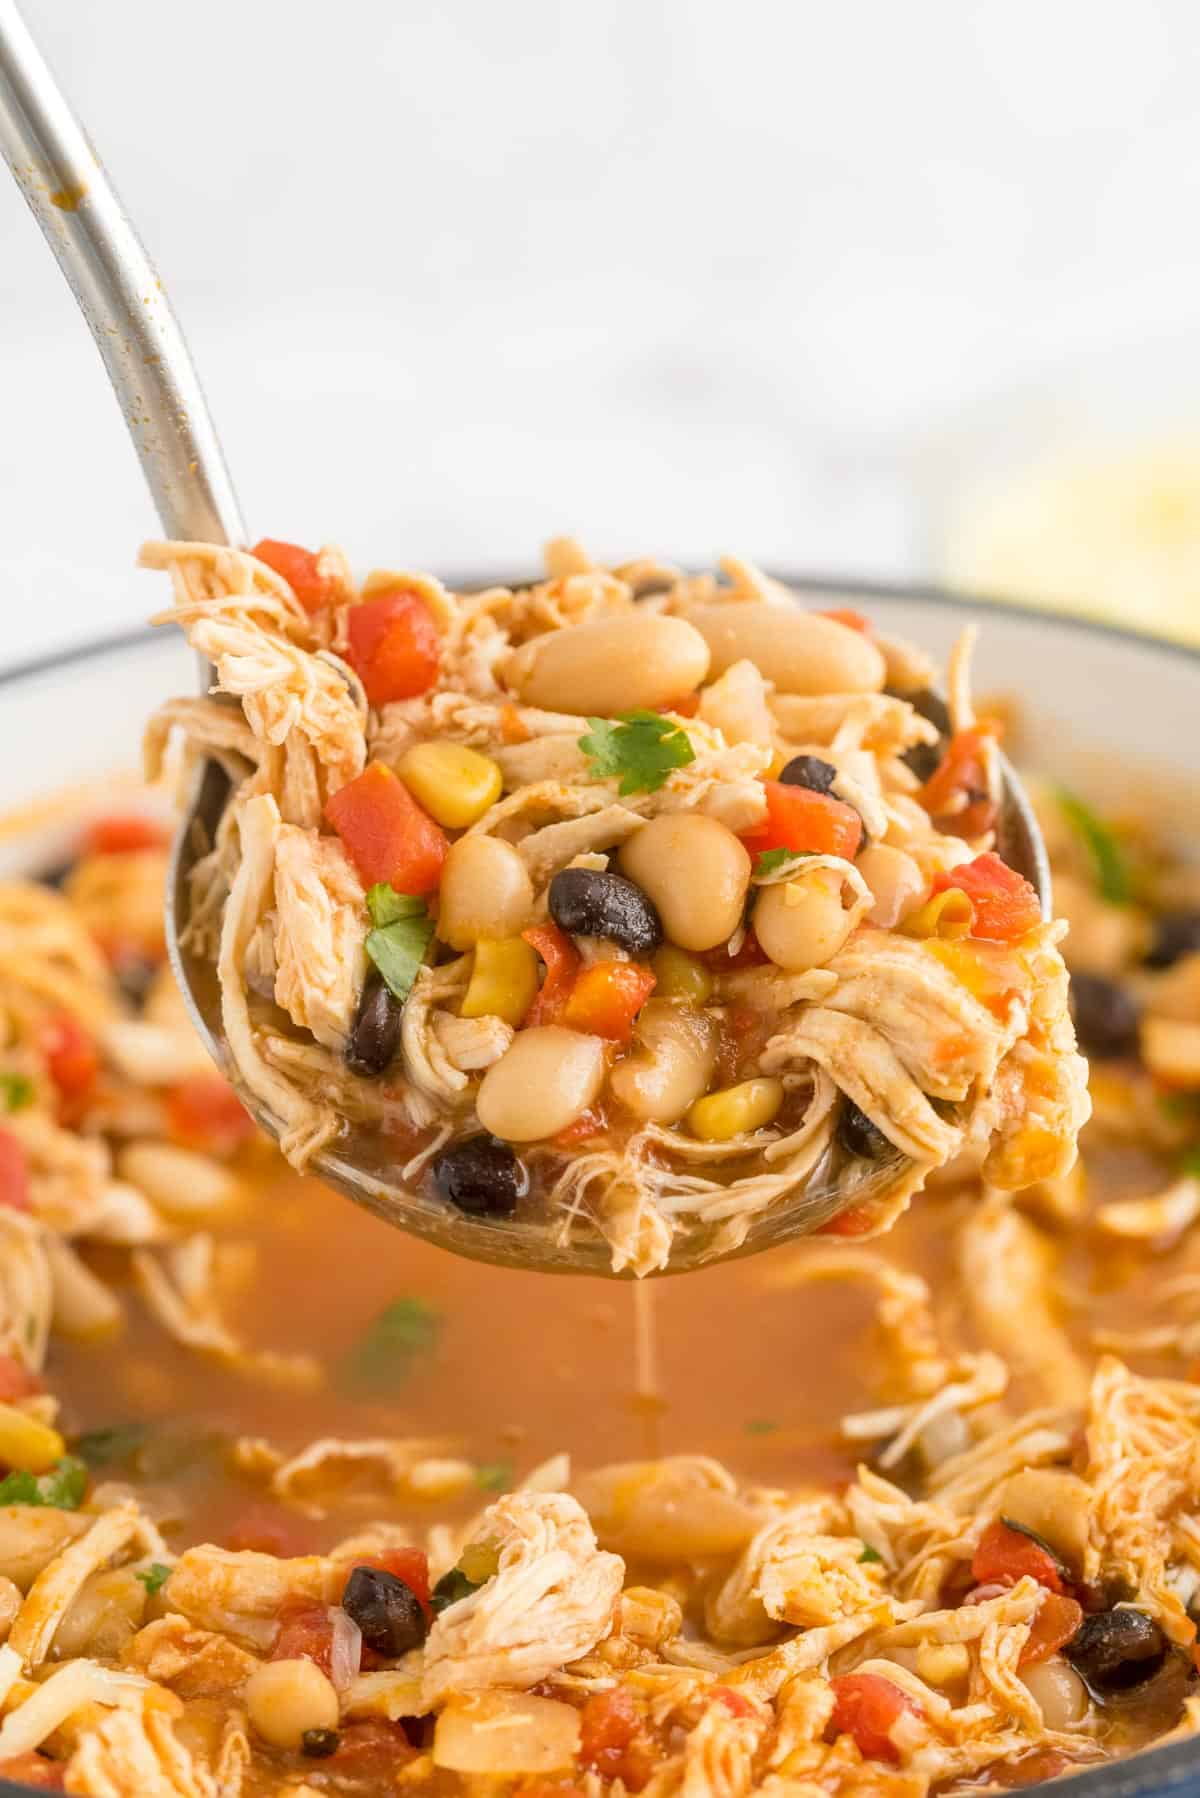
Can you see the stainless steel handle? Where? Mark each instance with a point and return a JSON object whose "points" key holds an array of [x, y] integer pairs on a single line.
{"points": [[118, 292]]}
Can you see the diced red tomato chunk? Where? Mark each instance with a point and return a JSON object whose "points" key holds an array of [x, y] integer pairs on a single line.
{"points": [[269, 1530], [960, 776], [606, 997], [1006, 905], [204, 1112], [14, 1173], [393, 645], [867, 1707], [1057, 1620], [35, 1769], [611, 1742], [387, 835], [1004, 1556], [300, 568], [71, 1060], [735, 1702], [562, 964], [17, 1380], [123, 833], [799, 819], [305, 1633], [371, 1748]]}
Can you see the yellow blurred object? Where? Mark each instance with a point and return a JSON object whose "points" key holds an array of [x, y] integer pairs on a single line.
{"points": [[723, 1115], [456, 785], [27, 1444], [504, 980], [949, 915], [1113, 536]]}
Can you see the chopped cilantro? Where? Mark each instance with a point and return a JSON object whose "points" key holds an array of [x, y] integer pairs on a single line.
{"points": [[1108, 860], [100, 1447], [154, 1577], [494, 1476], [761, 1426], [1189, 1161], [641, 748], [406, 1328], [401, 935], [16, 1091], [61, 1489], [771, 860], [869, 1554], [450, 1588]]}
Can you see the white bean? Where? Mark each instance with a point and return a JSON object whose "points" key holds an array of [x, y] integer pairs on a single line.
{"points": [[671, 1065], [695, 871], [610, 665], [284, 1699], [545, 1079], [895, 881], [1055, 1504], [802, 923], [1058, 1689], [485, 892], [177, 1181], [799, 651]]}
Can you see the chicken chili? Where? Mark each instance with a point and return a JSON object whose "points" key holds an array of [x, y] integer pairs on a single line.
{"points": [[630, 901], [290, 1504]]}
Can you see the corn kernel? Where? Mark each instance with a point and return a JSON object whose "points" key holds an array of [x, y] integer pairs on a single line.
{"points": [[27, 1444], [504, 980], [480, 1562], [949, 914], [456, 785], [681, 976], [941, 1663], [722, 1115]]}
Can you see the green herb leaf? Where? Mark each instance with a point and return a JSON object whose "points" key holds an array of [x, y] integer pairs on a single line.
{"points": [[99, 1448], [495, 1476], [1189, 1161], [403, 1330], [869, 1555], [639, 748], [761, 1426], [450, 1588], [16, 1091], [62, 1489], [154, 1577], [1108, 859], [402, 933], [771, 860]]}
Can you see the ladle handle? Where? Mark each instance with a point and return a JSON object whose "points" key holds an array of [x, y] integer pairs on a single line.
{"points": [[119, 294]]}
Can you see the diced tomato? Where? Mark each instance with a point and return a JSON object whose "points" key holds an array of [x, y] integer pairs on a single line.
{"points": [[855, 1220], [305, 1633], [735, 1702], [371, 1748], [34, 1769], [853, 621], [607, 997], [1006, 906], [14, 1173], [71, 1061], [962, 774], [204, 1112], [686, 706], [1057, 1620], [394, 647], [611, 1742], [300, 568], [408, 1564], [1005, 1555], [17, 1380], [799, 819], [122, 833], [269, 1531], [387, 835], [867, 1707], [562, 965], [750, 955]]}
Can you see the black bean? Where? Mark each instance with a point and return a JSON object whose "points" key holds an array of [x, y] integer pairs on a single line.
{"points": [[587, 902], [318, 1744], [388, 1612], [1106, 1017], [481, 1175], [375, 1033], [811, 772], [859, 1136], [1176, 934], [1114, 1650], [923, 758]]}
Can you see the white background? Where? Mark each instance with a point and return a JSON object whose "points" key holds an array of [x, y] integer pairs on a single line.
{"points": [[673, 274]]}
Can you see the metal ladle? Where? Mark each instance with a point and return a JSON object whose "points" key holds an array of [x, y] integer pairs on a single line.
{"points": [[126, 308]]}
